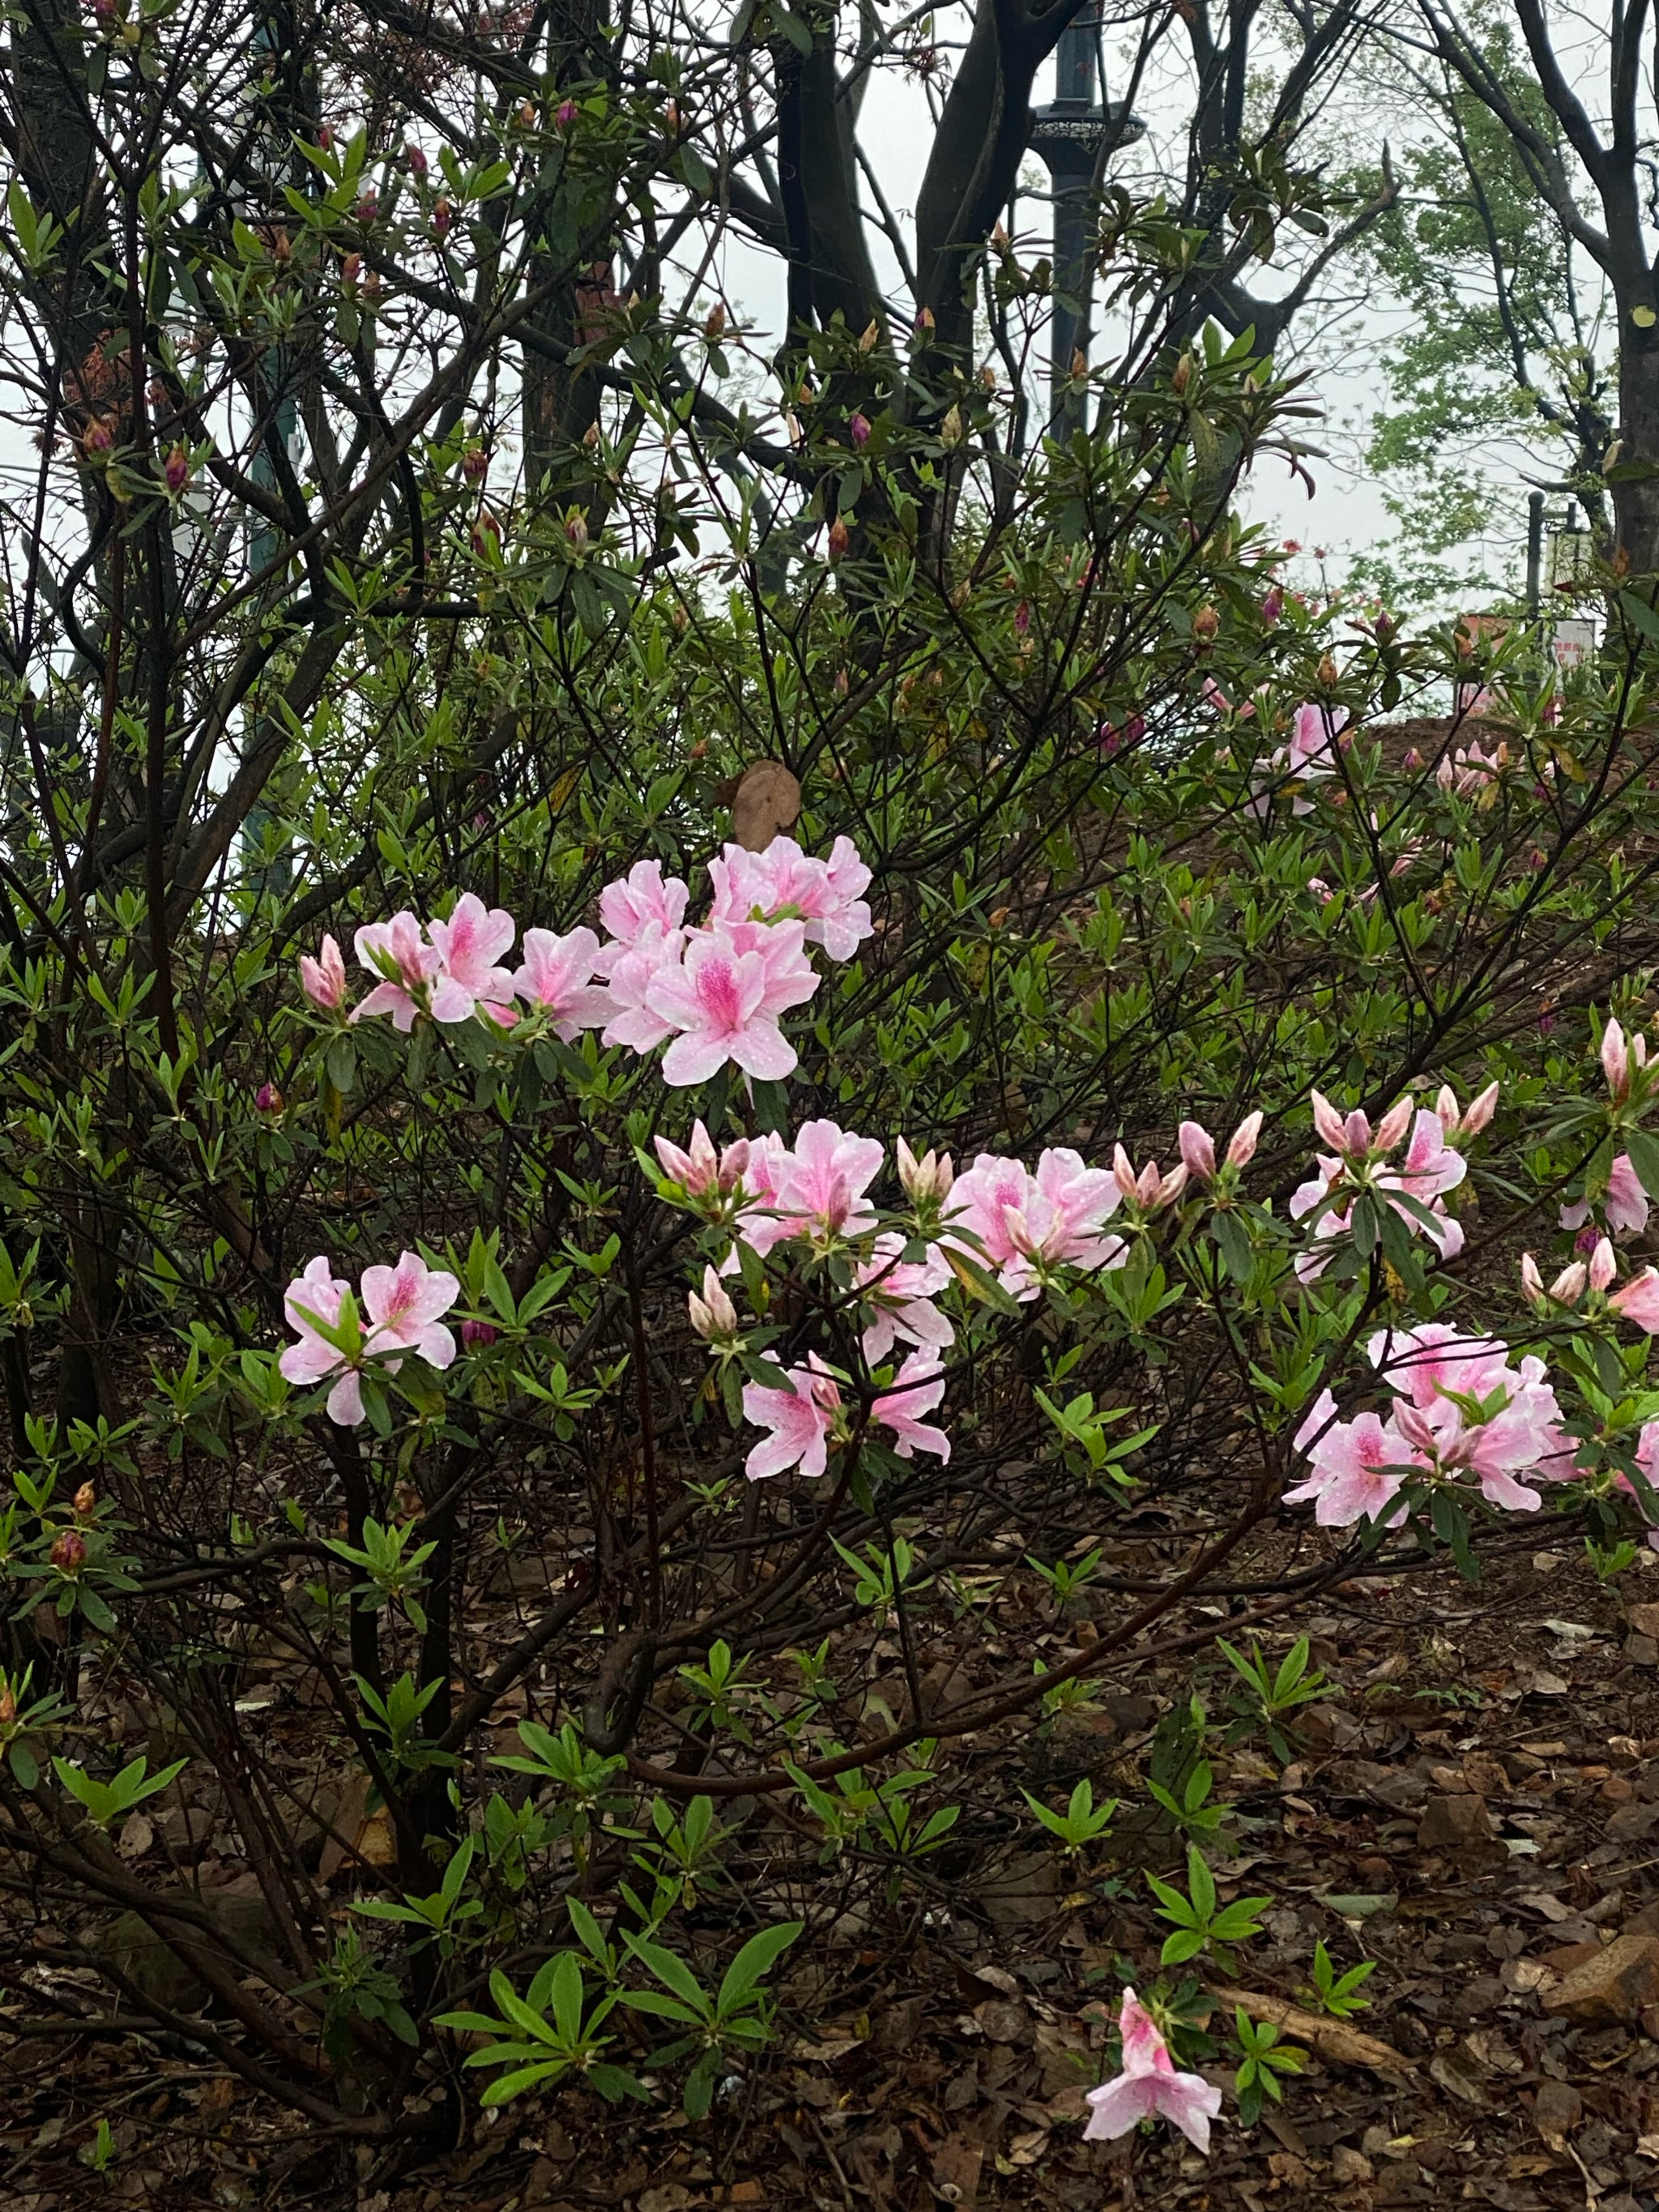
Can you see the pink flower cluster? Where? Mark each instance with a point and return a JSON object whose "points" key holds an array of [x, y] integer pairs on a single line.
{"points": [[404, 1307], [1467, 770], [1623, 1207], [1359, 1159], [1462, 1413], [713, 992], [814, 1190], [802, 1421], [1024, 1223], [1149, 2086], [1310, 755]]}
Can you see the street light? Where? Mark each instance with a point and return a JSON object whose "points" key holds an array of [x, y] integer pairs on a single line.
{"points": [[1067, 135], [1565, 540]]}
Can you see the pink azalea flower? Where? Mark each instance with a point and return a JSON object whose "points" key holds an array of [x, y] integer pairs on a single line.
{"points": [[405, 1304], [1149, 2086], [556, 977], [827, 896], [917, 1389], [397, 952], [1625, 1208], [468, 946], [324, 980], [800, 1420], [1310, 755], [1638, 1301], [315, 1296], [640, 901], [1429, 1169], [1356, 1469], [898, 1296], [632, 969], [1052, 1218], [726, 1001], [1518, 1437], [820, 1183]]}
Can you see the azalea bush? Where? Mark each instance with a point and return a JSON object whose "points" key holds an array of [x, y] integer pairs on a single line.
{"points": [[643, 1129]]}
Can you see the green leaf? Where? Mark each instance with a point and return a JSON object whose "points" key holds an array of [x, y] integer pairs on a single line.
{"points": [[757, 1957]]}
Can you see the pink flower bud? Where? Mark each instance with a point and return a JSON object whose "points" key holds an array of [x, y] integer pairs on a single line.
{"points": [[69, 1553], [86, 1502], [1414, 1425], [1412, 761], [1328, 1122], [1615, 1059], [1022, 617], [566, 114], [176, 469], [1173, 1184], [1241, 1151], [475, 1336], [1197, 1149], [325, 137], [575, 532], [927, 1179], [351, 268], [1532, 1282], [416, 159], [1446, 1108], [859, 431], [1395, 1124], [1147, 1184], [1134, 729], [714, 1316], [840, 538], [1273, 606], [1569, 1285], [1356, 1136], [442, 216], [97, 439], [367, 209], [1123, 1172], [1481, 1111], [1602, 1265], [475, 464], [324, 980], [268, 1099]]}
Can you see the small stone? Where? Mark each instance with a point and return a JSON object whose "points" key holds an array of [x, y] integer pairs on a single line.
{"points": [[1614, 1985], [1556, 2110], [1452, 1823], [1616, 1790]]}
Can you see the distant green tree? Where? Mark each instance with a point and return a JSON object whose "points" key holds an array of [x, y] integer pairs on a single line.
{"points": [[1505, 375]]}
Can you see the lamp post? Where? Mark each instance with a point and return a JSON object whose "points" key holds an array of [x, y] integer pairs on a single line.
{"points": [[1067, 135]]}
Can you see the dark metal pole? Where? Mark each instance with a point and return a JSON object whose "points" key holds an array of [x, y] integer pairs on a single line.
{"points": [[1535, 552], [1067, 135], [1074, 86]]}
